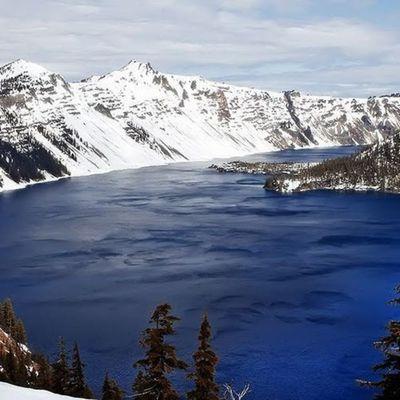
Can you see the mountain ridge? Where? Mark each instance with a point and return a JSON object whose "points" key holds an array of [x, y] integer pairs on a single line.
{"points": [[137, 116]]}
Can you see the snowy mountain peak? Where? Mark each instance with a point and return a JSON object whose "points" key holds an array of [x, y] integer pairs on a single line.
{"points": [[21, 66], [132, 71], [134, 66]]}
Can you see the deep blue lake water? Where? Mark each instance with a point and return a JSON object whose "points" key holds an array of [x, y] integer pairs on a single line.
{"points": [[295, 286]]}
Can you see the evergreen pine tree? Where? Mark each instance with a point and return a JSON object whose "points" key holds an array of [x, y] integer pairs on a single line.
{"points": [[24, 374], [44, 378], [16, 367], [7, 317], [77, 383], [61, 371], [160, 359], [389, 384], [19, 333], [111, 390], [15, 361], [10, 367], [205, 361]]}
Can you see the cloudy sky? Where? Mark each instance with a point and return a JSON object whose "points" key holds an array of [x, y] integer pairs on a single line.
{"points": [[340, 47]]}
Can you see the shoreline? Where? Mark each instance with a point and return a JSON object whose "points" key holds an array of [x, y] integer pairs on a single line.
{"points": [[24, 185]]}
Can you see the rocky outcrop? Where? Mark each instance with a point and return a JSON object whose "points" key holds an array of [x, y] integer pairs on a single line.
{"points": [[9, 347]]}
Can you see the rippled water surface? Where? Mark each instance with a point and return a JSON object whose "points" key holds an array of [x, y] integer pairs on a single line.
{"points": [[295, 286]]}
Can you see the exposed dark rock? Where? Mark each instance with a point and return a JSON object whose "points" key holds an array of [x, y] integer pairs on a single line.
{"points": [[103, 109], [30, 163], [306, 135]]}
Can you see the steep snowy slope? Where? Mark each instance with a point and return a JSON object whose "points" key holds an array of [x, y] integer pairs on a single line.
{"points": [[137, 116], [11, 392], [47, 130], [202, 119]]}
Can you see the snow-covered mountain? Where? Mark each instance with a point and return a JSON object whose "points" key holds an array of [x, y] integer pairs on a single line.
{"points": [[137, 116]]}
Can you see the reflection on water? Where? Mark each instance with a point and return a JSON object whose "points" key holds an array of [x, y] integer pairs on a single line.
{"points": [[295, 286]]}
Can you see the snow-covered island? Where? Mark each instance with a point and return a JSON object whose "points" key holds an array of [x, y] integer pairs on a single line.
{"points": [[266, 168], [377, 168]]}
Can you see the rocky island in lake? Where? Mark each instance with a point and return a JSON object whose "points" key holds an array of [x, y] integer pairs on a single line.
{"points": [[376, 167]]}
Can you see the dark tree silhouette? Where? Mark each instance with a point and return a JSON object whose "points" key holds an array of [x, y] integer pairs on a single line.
{"points": [[111, 390], [10, 324], [160, 358], [16, 367], [205, 361], [44, 377], [61, 377], [7, 317], [19, 333], [77, 383], [10, 367], [389, 384]]}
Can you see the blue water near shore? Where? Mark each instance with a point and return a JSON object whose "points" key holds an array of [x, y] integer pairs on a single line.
{"points": [[295, 285]]}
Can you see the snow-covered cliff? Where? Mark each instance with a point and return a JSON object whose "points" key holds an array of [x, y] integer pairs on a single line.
{"points": [[137, 116]]}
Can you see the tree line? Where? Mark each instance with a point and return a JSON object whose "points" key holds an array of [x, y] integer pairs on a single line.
{"points": [[160, 359], [376, 166], [21, 367], [10, 324]]}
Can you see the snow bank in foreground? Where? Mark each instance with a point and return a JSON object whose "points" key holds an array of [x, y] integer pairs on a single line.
{"points": [[11, 392]]}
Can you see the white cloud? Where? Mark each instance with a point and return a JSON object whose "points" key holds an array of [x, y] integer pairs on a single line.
{"points": [[240, 4], [226, 39]]}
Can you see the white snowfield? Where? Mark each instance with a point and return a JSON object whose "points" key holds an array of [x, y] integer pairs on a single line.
{"points": [[137, 116], [11, 392]]}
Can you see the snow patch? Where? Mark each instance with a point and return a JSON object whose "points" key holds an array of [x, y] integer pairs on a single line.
{"points": [[11, 392]]}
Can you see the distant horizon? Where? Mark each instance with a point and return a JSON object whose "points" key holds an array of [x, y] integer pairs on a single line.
{"points": [[342, 48], [216, 80]]}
